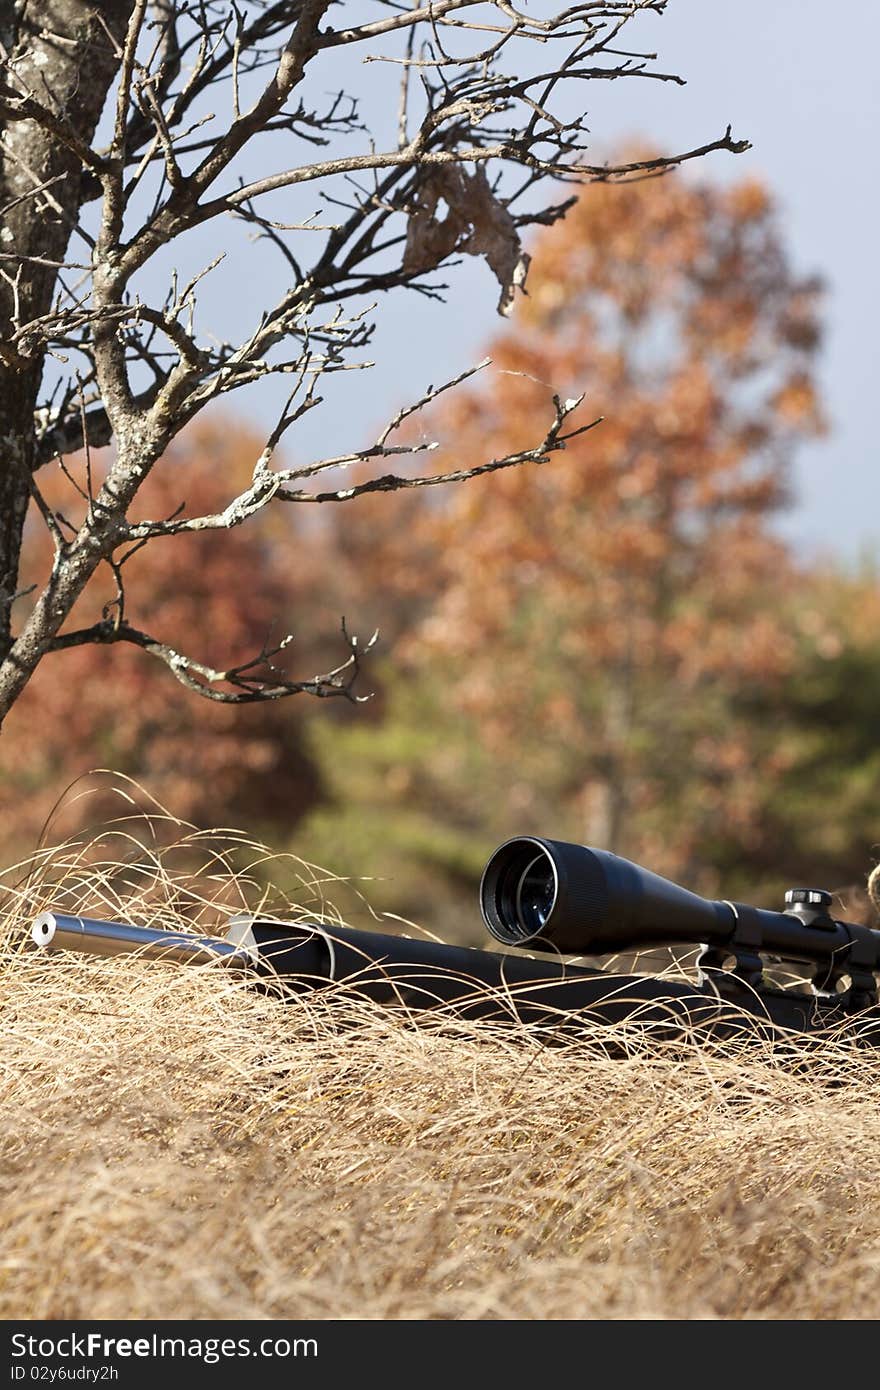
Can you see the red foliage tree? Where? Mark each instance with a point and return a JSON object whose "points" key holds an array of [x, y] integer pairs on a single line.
{"points": [[211, 763]]}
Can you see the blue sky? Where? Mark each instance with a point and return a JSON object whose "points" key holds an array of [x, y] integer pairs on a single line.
{"points": [[798, 79]]}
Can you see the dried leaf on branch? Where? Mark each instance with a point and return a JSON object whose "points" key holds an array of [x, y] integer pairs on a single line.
{"points": [[476, 222]]}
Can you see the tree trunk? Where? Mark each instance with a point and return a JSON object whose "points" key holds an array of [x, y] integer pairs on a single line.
{"points": [[17, 399], [61, 53]]}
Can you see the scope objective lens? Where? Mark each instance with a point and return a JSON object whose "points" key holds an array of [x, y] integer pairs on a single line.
{"points": [[519, 891]]}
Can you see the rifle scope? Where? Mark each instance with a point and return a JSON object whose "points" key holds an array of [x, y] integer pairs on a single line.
{"points": [[562, 897]]}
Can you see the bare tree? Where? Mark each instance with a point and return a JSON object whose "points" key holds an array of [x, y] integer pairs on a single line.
{"points": [[126, 126]]}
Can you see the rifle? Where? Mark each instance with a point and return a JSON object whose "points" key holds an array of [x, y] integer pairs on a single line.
{"points": [[554, 897]]}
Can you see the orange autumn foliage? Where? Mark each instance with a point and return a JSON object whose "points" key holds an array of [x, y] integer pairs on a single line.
{"points": [[619, 602]]}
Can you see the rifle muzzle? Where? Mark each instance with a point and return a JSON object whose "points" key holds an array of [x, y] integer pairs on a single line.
{"points": [[56, 931]]}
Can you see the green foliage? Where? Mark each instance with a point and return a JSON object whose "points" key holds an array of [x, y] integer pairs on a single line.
{"points": [[403, 816], [819, 817]]}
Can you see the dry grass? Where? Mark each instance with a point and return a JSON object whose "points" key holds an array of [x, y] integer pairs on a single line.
{"points": [[175, 1145]]}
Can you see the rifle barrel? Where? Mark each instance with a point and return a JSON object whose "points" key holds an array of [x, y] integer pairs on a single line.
{"points": [[415, 974]]}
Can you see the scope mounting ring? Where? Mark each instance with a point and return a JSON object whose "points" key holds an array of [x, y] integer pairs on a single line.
{"points": [[744, 946]]}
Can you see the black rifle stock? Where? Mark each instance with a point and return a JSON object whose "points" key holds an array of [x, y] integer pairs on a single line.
{"points": [[555, 897]]}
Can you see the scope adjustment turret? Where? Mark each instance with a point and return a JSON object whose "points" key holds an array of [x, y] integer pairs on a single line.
{"points": [[810, 906], [815, 897]]}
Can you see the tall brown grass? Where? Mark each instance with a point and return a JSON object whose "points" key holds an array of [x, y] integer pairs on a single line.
{"points": [[176, 1145]]}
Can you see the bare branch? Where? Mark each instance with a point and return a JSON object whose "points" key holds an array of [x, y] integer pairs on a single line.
{"points": [[25, 108], [414, 155], [198, 93], [268, 484], [553, 440], [253, 681]]}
